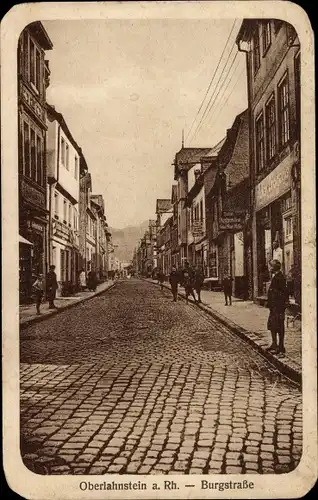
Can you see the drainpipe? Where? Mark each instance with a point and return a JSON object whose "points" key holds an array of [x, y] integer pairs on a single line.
{"points": [[254, 282], [50, 246]]}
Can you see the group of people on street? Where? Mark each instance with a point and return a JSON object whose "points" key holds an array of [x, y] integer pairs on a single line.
{"points": [[191, 279], [277, 301], [52, 285]]}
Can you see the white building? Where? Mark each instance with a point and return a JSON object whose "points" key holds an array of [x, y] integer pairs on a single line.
{"points": [[63, 158]]}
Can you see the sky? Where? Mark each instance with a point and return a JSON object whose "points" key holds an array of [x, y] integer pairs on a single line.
{"points": [[127, 89]]}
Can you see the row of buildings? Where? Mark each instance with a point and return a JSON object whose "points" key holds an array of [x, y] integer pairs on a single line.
{"points": [[236, 205], [61, 222]]}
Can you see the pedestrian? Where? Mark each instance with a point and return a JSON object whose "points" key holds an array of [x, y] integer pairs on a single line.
{"points": [[161, 278], [291, 282], [276, 303], [52, 286], [187, 281], [82, 279], [174, 281], [227, 289], [38, 287], [92, 281], [198, 282]]}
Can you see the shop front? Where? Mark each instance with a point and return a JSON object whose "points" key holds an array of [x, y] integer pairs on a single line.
{"points": [[274, 225], [32, 255]]}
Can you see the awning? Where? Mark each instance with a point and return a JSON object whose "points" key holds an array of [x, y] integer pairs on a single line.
{"points": [[24, 241]]}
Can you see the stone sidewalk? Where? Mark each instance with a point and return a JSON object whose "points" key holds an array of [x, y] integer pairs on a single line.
{"points": [[249, 321], [27, 313]]}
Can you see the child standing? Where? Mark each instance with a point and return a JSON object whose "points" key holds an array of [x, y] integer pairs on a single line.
{"points": [[227, 289], [38, 287]]}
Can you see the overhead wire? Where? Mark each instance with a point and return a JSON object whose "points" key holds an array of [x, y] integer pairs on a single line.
{"points": [[212, 79], [210, 103], [231, 92], [224, 91]]}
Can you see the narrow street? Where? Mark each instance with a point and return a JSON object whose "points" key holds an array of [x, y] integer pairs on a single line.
{"points": [[130, 382]]}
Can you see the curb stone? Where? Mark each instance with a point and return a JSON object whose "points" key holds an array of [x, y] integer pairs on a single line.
{"points": [[38, 319], [288, 371]]}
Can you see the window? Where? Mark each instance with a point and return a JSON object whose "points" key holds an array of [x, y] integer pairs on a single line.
{"points": [[266, 35], [271, 128], [283, 102], [67, 156], [34, 66], [39, 168], [62, 151], [256, 51], [260, 152], [56, 205], [286, 203], [33, 156], [69, 214], [26, 149], [201, 210], [76, 168], [288, 227], [64, 211]]}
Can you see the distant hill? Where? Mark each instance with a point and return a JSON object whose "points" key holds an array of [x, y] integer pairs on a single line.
{"points": [[127, 239]]}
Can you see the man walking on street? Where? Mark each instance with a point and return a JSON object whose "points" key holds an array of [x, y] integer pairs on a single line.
{"points": [[52, 286], [198, 282], [187, 281], [174, 280], [276, 302]]}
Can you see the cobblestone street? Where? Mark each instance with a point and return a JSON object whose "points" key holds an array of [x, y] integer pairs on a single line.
{"points": [[130, 382]]}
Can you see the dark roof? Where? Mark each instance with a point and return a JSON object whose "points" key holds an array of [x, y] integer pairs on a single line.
{"points": [[190, 155], [163, 205], [246, 30], [234, 155], [40, 34], [215, 150]]}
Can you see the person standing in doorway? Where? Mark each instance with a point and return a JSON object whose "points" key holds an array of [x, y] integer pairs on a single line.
{"points": [[52, 286], [198, 282], [276, 303], [227, 289], [187, 281], [174, 281], [38, 287]]}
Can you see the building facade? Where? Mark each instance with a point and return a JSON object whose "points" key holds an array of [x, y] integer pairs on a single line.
{"points": [[102, 237], [63, 162], [185, 159], [33, 80], [229, 207], [273, 75]]}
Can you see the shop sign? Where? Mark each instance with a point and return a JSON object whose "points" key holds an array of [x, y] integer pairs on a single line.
{"points": [[197, 229], [32, 194], [274, 185], [32, 102]]}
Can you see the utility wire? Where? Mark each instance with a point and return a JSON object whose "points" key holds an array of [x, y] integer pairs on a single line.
{"points": [[224, 91], [210, 103], [234, 86], [211, 81]]}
